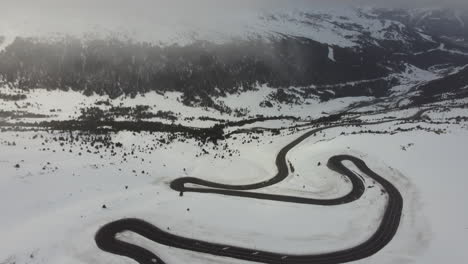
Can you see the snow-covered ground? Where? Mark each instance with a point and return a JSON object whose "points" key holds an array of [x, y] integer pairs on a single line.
{"points": [[61, 105], [53, 200], [309, 108]]}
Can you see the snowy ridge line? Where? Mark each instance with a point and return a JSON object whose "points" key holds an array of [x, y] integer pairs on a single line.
{"points": [[442, 48], [343, 84], [333, 27], [106, 236]]}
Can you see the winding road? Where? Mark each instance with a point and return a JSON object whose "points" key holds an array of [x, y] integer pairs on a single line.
{"points": [[106, 236]]}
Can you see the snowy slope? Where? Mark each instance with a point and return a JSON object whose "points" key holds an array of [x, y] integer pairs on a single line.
{"points": [[310, 67], [64, 192]]}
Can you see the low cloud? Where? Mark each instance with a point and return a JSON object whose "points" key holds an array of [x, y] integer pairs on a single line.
{"points": [[71, 16], [415, 3]]}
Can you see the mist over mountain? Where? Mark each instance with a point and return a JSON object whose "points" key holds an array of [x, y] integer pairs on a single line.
{"points": [[166, 21], [329, 51]]}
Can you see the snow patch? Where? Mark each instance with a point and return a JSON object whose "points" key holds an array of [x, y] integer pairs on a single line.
{"points": [[331, 54]]}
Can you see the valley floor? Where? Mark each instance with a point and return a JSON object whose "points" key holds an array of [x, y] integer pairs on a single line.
{"points": [[55, 195]]}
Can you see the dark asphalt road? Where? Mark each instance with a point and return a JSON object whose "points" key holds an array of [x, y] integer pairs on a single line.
{"points": [[106, 240]]}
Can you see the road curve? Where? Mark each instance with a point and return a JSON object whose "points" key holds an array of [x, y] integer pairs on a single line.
{"points": [[106, 236]]}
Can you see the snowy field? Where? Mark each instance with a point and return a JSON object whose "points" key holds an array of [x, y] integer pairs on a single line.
{"points": [[53, 195], [45, 102], [74, 161]]}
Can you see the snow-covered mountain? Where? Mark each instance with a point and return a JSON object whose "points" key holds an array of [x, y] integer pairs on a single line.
{"points": [[97, 124], [352, 52]]}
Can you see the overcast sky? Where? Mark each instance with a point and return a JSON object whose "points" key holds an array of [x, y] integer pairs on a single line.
{"points": [[66, 15], [116, 4]]}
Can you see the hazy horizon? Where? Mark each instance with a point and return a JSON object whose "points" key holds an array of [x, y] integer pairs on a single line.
{"points": [[163, 16]]}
